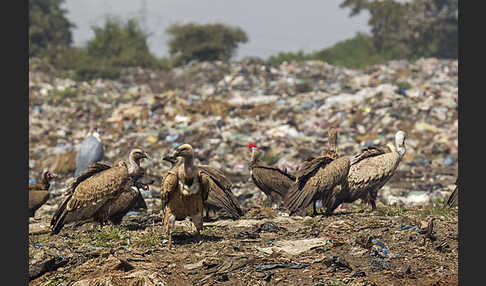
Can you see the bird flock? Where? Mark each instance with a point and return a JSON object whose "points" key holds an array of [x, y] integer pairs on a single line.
{"points": [[105, 193]]}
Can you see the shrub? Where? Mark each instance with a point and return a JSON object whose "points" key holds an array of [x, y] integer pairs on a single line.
{"points": [[357, 52], [49, 29], [194, 42], [289, 57]]}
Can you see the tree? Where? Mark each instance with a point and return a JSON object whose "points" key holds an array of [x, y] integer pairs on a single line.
{"points": [[204, 42], [49, 29], [420, 28], [120, 43]]}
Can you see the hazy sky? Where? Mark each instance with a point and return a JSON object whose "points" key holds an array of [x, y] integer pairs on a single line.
{"points": [[272, 25]]}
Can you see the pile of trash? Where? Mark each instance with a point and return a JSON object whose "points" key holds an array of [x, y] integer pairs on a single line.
{"points": [[219, 108]]}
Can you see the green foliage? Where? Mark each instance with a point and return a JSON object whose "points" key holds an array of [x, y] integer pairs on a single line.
{"points": [[149, 239], [357, 52], [289, 57], [108, 236], [122, 44], [49, 29], [421, 28], [115, 45], [194, 42], [438, 210]]}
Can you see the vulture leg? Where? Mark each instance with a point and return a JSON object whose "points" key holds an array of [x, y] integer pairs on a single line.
{"points": [[207, 215], [314, 209], [169, 222], [197, 220], [372, 200], [373, 205]]}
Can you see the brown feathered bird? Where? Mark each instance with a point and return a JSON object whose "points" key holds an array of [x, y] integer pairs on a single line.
{"points": [[453, 199], [220, 196], [39, 193], [184, 190], [320, 178], [371, 169], [275, 183], [98, 186]]}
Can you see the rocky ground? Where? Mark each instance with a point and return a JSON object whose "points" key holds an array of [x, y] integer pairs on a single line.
{"points": [[219, 108]]}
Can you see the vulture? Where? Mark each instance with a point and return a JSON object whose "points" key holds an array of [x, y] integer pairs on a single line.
{"points": [[96, 189], [453, 198], [320, 179], [371, 169], [184, 190], [39, 193], [220, 196], [90, 151], [275, 183]]}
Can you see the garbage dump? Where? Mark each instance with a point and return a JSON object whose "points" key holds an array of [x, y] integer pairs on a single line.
{"points": [[219, 108]]}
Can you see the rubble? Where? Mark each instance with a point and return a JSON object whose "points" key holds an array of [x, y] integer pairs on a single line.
{"points": [[221, 107]]}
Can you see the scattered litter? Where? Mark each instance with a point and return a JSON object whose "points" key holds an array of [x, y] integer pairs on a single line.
{"points": [[383, 251], [281, 265]]}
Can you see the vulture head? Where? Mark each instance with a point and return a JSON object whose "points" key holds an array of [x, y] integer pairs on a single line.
{"points": [[137, 154], [252, 148], [170, 159], [48, 176], [185, 150], [332, 136]]}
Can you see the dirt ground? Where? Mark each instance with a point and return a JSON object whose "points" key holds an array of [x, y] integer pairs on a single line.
{"points": [[391, 246]]}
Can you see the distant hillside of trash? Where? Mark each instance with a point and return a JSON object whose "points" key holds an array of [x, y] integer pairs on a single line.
{"points": [[221, 107]]}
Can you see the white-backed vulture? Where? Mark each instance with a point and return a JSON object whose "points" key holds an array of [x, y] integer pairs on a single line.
{"points": [[371, 169], [39, 193], [275, 183], [320, 178], [98, 186], [220, 196], [182, 193]]}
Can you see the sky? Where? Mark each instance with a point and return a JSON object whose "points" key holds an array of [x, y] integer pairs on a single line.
{"points": [[272, 26]]}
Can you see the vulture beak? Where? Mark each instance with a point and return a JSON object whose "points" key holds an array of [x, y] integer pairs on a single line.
{"points": [[168, 158], [146, 156]]}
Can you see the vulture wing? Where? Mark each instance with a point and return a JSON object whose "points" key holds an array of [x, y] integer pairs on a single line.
{"points": [[323, 177], [169, 186], [217, 175], [270, 179], [118, 208], [373, 171], [218, 196], [453, 198], [369, 152]]}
